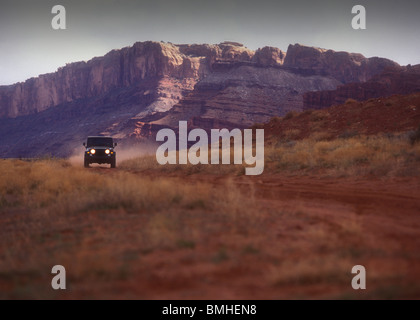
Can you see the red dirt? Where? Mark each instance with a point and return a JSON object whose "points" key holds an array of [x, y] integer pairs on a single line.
{"points": [[331, 222]]}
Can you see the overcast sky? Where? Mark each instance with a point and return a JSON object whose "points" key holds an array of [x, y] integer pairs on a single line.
{"points": [[29, 46]]}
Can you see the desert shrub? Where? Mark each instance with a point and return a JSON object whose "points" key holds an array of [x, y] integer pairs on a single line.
{"points": [[257, 126], [348, 134], [321, 136], [291, 134], [415, 136], [350, 101], [308, 112], [290, 115], [275, 120], [319, 115]]}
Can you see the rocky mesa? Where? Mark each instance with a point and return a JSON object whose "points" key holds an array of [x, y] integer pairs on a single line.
{"points": [[132, 92], [154, 60]]}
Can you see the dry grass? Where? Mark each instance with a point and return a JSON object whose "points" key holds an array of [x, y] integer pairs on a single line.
{"points": [[95, 221], [121, 234], [53, 186], [363, 155], [146, 226], [349, 155], [149, 163]]}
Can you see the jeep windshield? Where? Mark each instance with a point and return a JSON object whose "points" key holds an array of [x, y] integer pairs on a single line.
{"points": [[100, 142]]}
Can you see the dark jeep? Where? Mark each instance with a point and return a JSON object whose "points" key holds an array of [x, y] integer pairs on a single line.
{"points": [[100, 150]]}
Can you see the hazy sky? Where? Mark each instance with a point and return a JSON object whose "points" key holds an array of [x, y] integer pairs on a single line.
{"points": [[29, 46]]}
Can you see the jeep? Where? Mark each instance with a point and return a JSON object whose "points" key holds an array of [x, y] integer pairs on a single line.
{"points": [[100, 150]]}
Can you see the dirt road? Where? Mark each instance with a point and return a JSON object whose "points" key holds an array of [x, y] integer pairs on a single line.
{"points": [[316, 230]]}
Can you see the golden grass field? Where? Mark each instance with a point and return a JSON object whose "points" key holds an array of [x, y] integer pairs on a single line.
{"points": [[209, 232], [383, 155]]}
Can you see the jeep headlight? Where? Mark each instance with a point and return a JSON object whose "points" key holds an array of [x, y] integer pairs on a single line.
{"points": [[92, 151], [107, 151]]}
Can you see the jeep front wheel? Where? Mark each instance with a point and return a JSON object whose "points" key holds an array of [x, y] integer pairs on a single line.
{"points": [[113, 163], [87, 163]]}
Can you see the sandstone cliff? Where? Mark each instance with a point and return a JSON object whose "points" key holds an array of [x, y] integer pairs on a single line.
{"points": [[343, 66], [186, 63], [118, 69], [133, 92]]}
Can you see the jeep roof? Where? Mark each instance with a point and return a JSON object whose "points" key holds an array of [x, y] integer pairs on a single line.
{"points": [[100, 141]]}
